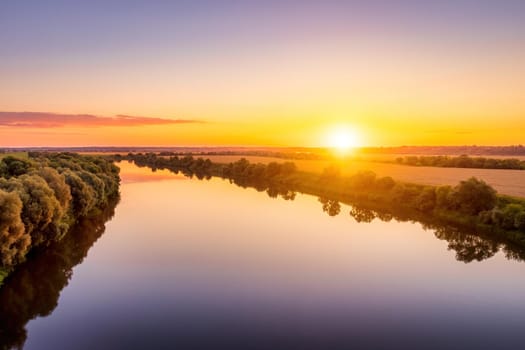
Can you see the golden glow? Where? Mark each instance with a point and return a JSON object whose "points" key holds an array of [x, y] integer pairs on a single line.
{"points": [[342, 138]]}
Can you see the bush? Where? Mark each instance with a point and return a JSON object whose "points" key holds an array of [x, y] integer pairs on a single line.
{"points": [[363, 180], [443, 194], [331, 173], [473, 196], [385, 183], [510, 212], [426, 201], [519, 221]]}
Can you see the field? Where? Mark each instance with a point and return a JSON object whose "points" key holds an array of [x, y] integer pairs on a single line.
{"points": [[510, 182], [14, 154]]}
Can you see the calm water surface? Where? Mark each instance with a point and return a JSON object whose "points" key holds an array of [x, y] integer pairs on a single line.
{"points": [[192, 264]]}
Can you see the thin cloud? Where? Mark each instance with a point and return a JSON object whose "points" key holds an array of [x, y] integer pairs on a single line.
{"points": [[55, 120]]}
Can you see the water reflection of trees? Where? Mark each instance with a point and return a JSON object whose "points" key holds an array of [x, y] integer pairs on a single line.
{"points": [[469, 246], [330, 206], [33, 289]]}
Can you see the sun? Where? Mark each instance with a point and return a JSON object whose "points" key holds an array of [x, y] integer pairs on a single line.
{"points": [[342, 139]]}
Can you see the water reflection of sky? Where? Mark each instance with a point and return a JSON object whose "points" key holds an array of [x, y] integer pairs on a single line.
{"points": [[206, 263]]}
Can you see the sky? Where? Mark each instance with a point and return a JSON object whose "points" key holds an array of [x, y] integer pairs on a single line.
{"points": [[272, 73]]}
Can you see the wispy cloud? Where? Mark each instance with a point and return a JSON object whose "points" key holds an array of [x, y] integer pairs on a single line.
{"points": [[55, 120]]}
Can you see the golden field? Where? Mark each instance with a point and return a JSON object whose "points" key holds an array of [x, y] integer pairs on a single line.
{"points": [[510, 182]]}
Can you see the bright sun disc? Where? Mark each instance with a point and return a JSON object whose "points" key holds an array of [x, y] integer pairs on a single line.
{"points": [[342, 139]]}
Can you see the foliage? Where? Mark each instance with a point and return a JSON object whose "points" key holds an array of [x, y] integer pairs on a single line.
{"points": [[472, 203], [473, 196], [463, 161], [42, 196], [11, 166], [14, 241], [331, 173]]}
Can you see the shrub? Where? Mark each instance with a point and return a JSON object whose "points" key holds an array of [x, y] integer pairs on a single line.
{"points": [[510, 213], [443, 199], [426, 201], [519, 221], [473, 196], [363, 180], [385, 183], [331, 173]]}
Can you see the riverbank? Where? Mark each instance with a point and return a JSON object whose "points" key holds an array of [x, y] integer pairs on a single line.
{"points": [[471, 204], [42, 195]]}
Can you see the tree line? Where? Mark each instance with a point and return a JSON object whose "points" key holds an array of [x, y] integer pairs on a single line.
{"points": [[463, 161], [42, 196], [472, 203], [512, 150]]}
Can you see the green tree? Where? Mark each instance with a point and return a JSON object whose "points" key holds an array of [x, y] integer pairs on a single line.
{"points": [[510, 213], [363, 180], [330, 173], [57, 182], [83, 196], [519, 221], [14, 242], [473, 196], [40, 207], [426, 201], [11, 167]]}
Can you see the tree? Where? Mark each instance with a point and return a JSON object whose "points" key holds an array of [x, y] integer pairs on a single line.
{"points": [[519, 221], [83, 196], [331, 173], [57, 183], [273, 169], [362, 214], [385, 183], [40, 207], [14, 242], [11, 166], [443, 200], [473, 196], [510, 214], [330, 206], [426, 201], [288, 168], [363, 180]]}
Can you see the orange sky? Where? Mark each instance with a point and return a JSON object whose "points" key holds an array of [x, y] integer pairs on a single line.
{"points": [[263, 75]]}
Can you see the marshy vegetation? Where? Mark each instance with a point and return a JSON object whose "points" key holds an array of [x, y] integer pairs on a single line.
{"points": [[43, 195]]}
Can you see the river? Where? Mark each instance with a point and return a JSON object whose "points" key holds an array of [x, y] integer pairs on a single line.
{"points": [[186, 263]]}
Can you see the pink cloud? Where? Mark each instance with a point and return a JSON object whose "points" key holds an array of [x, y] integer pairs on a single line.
{"points": [[55, 120]]}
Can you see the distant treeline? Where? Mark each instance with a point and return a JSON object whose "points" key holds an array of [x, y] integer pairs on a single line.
{"points": [[463, 162], [314, 154], [472, 203], [43, 195], [514, 150]]}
